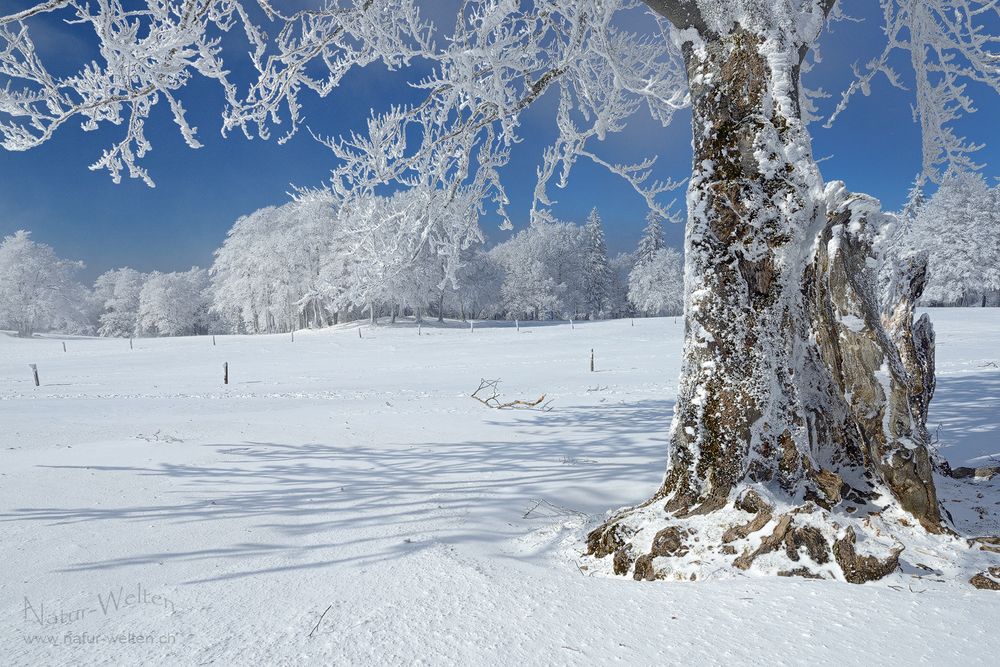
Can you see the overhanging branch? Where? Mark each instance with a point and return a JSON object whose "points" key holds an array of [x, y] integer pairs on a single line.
{"points": [[682, 13]]}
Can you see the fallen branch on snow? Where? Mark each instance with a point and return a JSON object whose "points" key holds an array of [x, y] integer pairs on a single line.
{"points": [[489, 395], [551, 509]]}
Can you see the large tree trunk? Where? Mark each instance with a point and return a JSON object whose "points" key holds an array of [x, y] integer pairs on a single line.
{"points": [[795, 402]]}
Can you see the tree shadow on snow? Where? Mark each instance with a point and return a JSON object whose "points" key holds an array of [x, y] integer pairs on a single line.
{"points": [[340, 502], [965, 418]]}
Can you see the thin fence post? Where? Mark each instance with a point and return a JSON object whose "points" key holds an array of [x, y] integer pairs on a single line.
{"points": [[130, 343], [225, 372], [34, 372], [591, 360], [213, 341], [359, 331], [472, 326], [293, 336], [517, 324], [64, 346]]}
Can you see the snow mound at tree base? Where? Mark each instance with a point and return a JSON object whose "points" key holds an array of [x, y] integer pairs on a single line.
{"points": [[757, 534]]}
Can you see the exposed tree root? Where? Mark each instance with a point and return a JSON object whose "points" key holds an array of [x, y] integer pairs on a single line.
{"points": [[858, 569], [767, 545], [754, 535], [985, 472], [989, 581], [991, 544]]}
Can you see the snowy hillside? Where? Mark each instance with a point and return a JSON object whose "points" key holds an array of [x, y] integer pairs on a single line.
{"points": [[343, 500]]}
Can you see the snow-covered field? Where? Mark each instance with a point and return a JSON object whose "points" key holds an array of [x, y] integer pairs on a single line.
{"points": [[343, 500]]}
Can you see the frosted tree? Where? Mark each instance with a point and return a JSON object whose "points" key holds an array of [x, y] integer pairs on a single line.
{"points": [[527, 290], [241, 283], [38, 291], [543, 270], [651, 241], [562, 248], [785, 423], [175, 304], [991, 241], [621, 266], [117, 292], [656, 286], [266, 275], [959, 231], [417, 283], [889, 244], [597, 275], [306, 227], [479, 284], [915, 200], [405, 247]]}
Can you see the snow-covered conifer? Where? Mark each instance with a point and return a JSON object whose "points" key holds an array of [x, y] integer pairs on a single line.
{"points": [[597, 275], [651, 241], [959, 228]]}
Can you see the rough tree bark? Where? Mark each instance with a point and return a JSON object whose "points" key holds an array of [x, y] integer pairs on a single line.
{"points": [[796, 403]]}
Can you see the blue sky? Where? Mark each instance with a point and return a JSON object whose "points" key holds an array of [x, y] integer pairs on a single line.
{"points": [[875, 148]]}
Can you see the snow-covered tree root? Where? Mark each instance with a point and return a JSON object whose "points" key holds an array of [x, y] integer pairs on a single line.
{"points": [[799, 444]]}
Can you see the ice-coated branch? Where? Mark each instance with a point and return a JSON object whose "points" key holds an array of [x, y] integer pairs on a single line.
{"points": [[147, 55], [949, 44], [485, 73], [497, 60]]}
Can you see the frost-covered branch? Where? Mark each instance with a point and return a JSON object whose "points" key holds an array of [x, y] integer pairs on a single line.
{"points": [[146, 55], [40, 8], [498, 60], [949, 44]]}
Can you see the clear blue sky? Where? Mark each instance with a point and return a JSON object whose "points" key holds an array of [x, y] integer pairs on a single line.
{"points": [[875, 148]]}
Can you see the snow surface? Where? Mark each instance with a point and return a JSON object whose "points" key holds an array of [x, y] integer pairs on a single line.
{"points": [[355, 476]]}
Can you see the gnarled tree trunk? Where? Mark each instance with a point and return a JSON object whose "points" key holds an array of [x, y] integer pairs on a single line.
{"points": [[796, 403]]}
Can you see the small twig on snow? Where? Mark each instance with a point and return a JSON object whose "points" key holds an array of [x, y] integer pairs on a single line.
{"points": [[322, 616], [531, 509]]}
